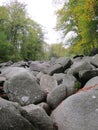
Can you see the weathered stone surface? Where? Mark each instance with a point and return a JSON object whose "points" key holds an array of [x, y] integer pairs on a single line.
{"points": [[21, 64], [23, 88], [59, 77], [87, 75], [37, 66], [64, 61], [9, 72], [39, 75], [45, 106], [57, 95], [6, 64], [92, 82], [94, 60], [11, 118], [71, 83], [2, 79], [47, 83], [78, 66], [56, 68], [78, 112], [38, 117]]}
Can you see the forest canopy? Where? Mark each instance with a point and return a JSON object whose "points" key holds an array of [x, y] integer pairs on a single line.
{"points": [[81, 18], [20, 36]]}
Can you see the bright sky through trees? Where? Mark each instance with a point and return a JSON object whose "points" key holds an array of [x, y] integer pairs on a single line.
{"points": [[43, 12]]}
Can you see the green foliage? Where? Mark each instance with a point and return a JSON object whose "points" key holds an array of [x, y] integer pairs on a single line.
{"points": [[81, 17], [57, 50], [77, 85], [22, 36]]}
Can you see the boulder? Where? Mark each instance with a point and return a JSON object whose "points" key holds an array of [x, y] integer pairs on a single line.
{"points": [[2, 80], [38, 66], [10, 72], [38, 117], [45, 106], [57, 95], [47, 83], [92, 82], [23, 64], [39, 75], [56, 68], [23, 88], [64, 61], [78, 112], [71, 83], [6, 64], [94, 60], [78, 66], [84, 76], [59, 77], [11, 118]]}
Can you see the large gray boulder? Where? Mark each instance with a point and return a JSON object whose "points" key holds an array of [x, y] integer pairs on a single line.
{"points": [[92, 82], [57, 95], [78, 112], [47, 83], [59, 77], [38, 117], [23, 64], [23, 88], [71, 83], [56, 68], [10, 72], [11, 118], [64, 61], [46, 107], [68, 87], [78, 66], [6, 64], [38, 66], [94, 60], [84, 76]]}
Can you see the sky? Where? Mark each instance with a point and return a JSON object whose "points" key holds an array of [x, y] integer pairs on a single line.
{"points": [[43, 12]]}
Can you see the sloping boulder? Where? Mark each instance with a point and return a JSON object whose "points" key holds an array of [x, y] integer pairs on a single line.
{"points": [[38, 66], [56, 68], [71, 83], [47, 83], [87, 75], [38, 117], [92, 82], [78, 112], [45, 106], [23, 88], [10, 72], [57, 95], [11, 118], [94, 60], [2, 79], [20, 64], [64, 61], [59, 77], [6, 64], [68, 87], [78, 66]]}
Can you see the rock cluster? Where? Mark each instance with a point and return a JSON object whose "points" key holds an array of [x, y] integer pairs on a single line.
{"points": [[53, 95]]}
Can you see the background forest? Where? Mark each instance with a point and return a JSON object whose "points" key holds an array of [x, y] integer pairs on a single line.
{"points": [[21, 38]]}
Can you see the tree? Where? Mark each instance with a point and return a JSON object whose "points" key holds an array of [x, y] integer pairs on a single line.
{"points": [[81, 17], [57, 50], [24, 34]]}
